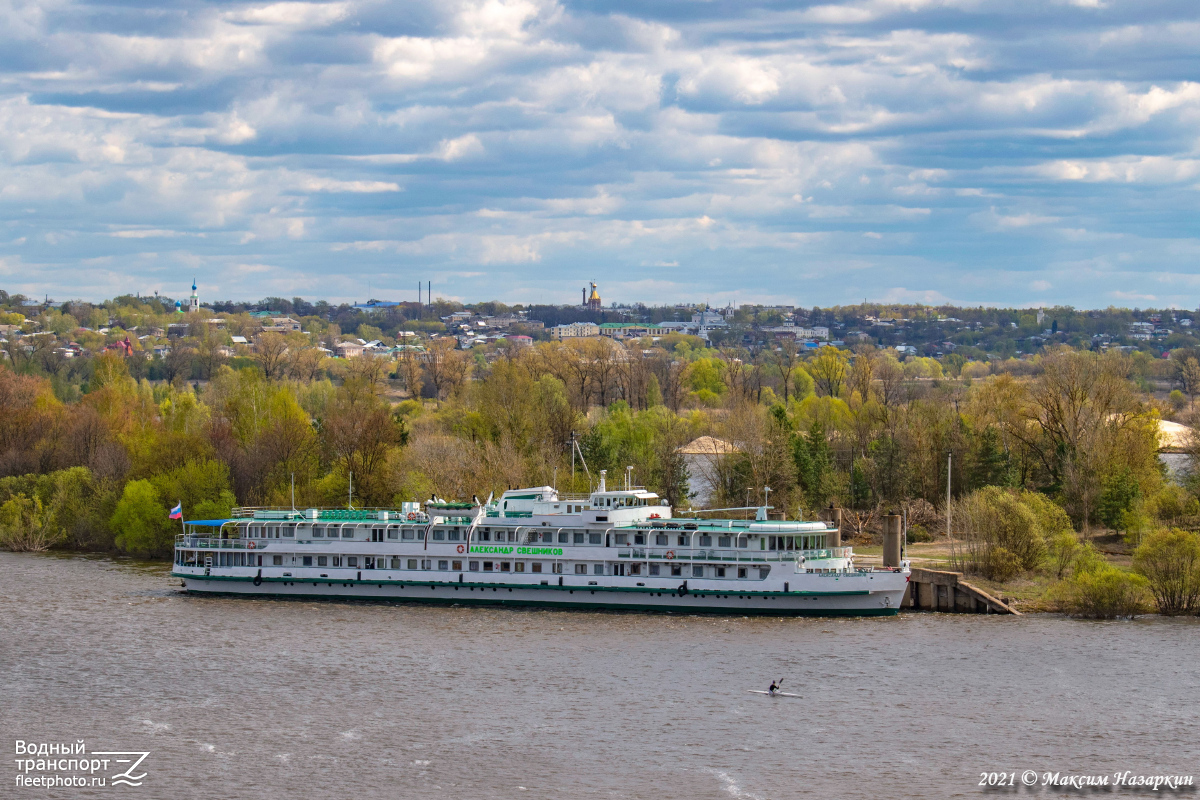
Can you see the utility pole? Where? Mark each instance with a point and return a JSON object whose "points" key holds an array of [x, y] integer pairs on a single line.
{"points": [[949, 465]]}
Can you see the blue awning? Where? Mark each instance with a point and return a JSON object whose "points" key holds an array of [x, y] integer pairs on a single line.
{"points": [[208, 523]]}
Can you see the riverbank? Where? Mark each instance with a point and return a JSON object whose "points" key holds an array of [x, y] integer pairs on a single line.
{"points": [[1033, 591]]}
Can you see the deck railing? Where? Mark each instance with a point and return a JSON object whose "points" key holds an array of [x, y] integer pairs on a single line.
{"points": [[744, 555]]}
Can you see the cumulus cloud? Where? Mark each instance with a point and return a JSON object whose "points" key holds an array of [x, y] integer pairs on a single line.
{"points": [[969, 150]]}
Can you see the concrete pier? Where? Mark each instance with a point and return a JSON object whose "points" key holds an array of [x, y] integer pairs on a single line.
{"points": [[936, 590]]}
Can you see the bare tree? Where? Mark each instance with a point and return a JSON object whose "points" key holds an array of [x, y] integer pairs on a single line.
{"points": [[411, 371], [270, 351], [367, 368], [306, 363], [210, 345], [787, 361], [446, 366], [604, 364]]}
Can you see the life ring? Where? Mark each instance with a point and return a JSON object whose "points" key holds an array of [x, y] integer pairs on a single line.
{"points": [[251, 545], [461, 548], [411, 516], [670, 554]]}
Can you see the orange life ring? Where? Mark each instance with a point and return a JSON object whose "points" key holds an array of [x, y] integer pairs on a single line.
{"points": [[670, 554], [461, 548], [411, 516], [251, 545]]}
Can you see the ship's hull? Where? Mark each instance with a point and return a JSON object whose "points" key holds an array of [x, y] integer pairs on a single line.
{"points": [[882, 599]]}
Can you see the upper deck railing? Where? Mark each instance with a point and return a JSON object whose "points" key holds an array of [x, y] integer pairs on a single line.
{"points": [[286, 514]]}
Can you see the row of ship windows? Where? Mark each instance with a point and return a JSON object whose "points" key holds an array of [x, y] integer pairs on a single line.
{"points": [[191, 558], [559, 537]]}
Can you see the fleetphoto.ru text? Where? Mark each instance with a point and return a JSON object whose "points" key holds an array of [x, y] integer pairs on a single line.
{"points": [[69, 764]]}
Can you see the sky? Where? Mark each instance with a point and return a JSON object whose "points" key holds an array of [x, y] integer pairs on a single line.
{"points": [[996, 152]]}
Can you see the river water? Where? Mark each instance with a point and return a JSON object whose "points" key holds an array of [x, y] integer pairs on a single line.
{"points": [[250, 698]]}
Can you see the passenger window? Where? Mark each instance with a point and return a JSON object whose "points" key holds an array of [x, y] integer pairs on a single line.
{"points": [[519, 566], [308, 561], [277, 561], [579, 537], [322, 561], [456, 566], [485, 536], [563, 537], [763, 572], [347, 533], [439, 535], [473, 566], [337, 561], [622, 538], [594, 538], [683, 540], [654, 569], [393, 533], [635, 569], [676, 571], [487, 566], [706, 541], [505, 566], [581, 569], [723, 541], [395, 563], [454, 535], [741, 572], [426, 563], [661, 540], [412, 563], [407, 534], [443, 565], [536, 567], [720, 572], [318, 533], [598, 569], [351, 561], [697, 572], [639, 538]]}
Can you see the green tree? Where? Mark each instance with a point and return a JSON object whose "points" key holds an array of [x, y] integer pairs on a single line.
{"points": [[141, 522], [989, 463], [815, 472], [1118, 495], [26, 525], [828, 370], [1170, 562]]}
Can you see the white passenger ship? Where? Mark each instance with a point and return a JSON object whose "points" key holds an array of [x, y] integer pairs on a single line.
{"points": [[534, 547]]}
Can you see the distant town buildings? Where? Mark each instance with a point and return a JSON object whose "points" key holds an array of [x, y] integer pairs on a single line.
{"points": [[575, 330]]}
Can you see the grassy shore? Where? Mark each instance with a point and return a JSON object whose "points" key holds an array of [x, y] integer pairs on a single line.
{"points": [[1027, 592]]}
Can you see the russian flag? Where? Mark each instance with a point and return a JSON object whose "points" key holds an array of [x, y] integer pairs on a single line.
{"points": [[177, 512]]}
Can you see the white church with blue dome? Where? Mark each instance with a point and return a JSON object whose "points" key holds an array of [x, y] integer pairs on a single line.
{"points": [[193, 302]]}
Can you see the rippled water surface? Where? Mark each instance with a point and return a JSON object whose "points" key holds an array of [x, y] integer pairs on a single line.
{"points": [[248, 698]]}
